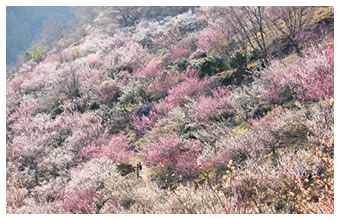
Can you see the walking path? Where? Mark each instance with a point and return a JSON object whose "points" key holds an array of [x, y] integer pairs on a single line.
{"points": [[145, 174]]}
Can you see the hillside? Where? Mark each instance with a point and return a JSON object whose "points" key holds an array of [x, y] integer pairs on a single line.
{"points": [[228, 109]]}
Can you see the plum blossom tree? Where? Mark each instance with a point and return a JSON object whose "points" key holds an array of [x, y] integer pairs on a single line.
{"points": [[174, 154], [209, 106], [179, 52], [190, 86], [117, 148], [310, 77], [80, 201], [114, 147], [209, 37]]}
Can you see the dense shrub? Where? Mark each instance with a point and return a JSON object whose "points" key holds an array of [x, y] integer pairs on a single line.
{"points": [[28, 55], [238, 61], [162, 83], [207, 65], [108, 92], [133, 91], [115, 71]]}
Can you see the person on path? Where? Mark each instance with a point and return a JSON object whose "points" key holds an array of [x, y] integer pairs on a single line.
{"points": [[140, 168]]}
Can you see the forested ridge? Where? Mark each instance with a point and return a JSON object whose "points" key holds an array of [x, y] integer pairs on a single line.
{"points": [[27, 26], [229, 110]]}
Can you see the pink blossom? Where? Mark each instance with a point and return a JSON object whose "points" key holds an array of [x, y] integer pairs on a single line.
{"points": [[107, 92], [91, 151], [179, 52], [219, 102], [80, 201], [172, 151], [92, 59], [151, 70], [15, 83], [310, 77], [145, 122], [208, 37], [116, 149], [191, 86], [164, 82]]}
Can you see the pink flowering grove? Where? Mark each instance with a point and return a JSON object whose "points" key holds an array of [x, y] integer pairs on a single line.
{"points": [[173, 110]]}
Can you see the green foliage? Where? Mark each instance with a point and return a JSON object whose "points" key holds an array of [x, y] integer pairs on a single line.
{"points": [[57, 110], [146, 43], [244, 126], [180, 64], [254, 55], [28, 55], [238, 60], [38, 53], [114, 71], [93, 105], [207, 65], [75, 53], [259, 65]]}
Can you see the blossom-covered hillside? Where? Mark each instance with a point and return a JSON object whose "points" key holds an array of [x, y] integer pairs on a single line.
{"points": [[228, 110]]}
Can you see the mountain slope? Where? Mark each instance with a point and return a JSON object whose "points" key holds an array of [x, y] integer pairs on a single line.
{"points": [[224, 116]]}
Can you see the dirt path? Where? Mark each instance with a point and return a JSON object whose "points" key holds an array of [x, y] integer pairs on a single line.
{"points": [[146, 172]]}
